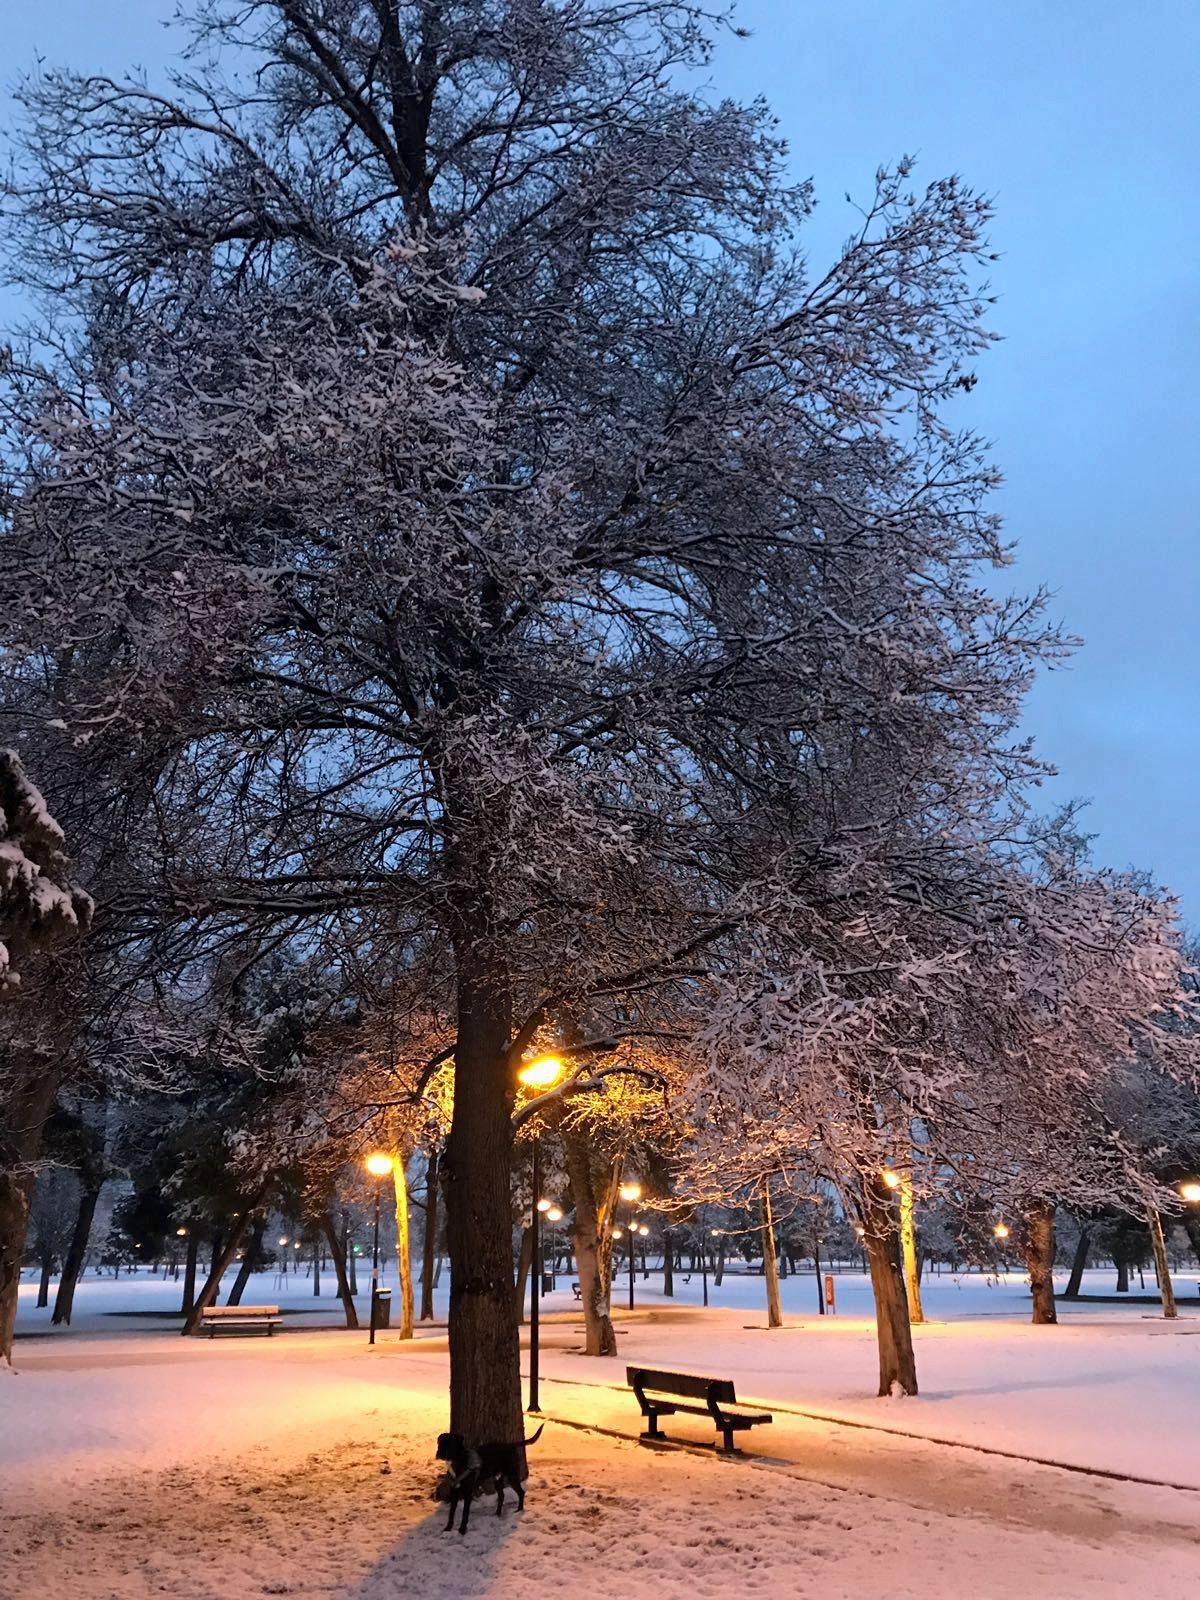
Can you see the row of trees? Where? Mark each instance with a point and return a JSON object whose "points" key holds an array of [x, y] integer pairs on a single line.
{"points": [[475, 591]]}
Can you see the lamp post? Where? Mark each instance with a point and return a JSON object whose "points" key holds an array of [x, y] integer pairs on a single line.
{"points": [[1189, 1190], [379, 1166], [703, 1255], [543, 1073], [631, 1193]]}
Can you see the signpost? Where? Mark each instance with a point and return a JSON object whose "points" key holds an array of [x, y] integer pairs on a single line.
{"points": [[830, 1300]]}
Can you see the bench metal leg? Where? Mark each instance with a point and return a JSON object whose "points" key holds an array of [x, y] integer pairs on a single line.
{"points": [[653, 1431], [728, 1448]]}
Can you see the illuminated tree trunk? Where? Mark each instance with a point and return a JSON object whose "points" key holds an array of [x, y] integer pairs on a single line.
{"points": [[228, 1249], [881, 1240], [770, 1262], [403, 1243], [189, 1273], [252, 1255], [1038, 1240], [591, 1232], [429, 1243], [1160, 1261], [908, 1246]]}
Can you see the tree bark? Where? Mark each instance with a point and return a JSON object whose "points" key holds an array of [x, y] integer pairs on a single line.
{"points": [[403, 1242], [220, 1266], [668, 1264], [908, 1246], [64, 1300], [719, 1266], [252, 1254], [591, 1234], [1078, 1263], [485, 1372], [1122, 1274], [43, 1294], [1159, 1245], [429, 1243], [770, 1262], [189, 1273], [1039, 1261], [22, 1120], [338, 1256], [897, 1361], [524, 1261]]}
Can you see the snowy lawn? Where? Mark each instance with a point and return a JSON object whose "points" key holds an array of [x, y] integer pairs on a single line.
{"points": [[137, 1465]]}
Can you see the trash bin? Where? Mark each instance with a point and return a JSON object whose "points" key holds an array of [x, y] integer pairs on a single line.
{"points": [[547, 1282], [383, 1308]]}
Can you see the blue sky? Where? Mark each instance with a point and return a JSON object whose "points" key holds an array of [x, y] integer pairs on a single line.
{"points": [[1079, 117]]}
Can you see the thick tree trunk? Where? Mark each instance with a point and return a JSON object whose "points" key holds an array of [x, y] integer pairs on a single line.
{"points": [[348, 1254], [719, 1268], [591, 1233], [1039, 1261], [485, 1372], [316, 1264], [897, 1361], [189, 1274], [1122, 1274], [338, 1256], [22, 1118], [220, 1266], [252, 1254], [1078, 1263], [770, 1262], [908, 1247], [429, 1243], [64, 1300], [668, 1264], [1158, 1243], [524, 1261]]}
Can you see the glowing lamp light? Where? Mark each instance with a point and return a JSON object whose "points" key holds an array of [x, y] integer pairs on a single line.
{"points": [[1001, 1230], [545, 1206], [860, 1230], [283, 1241], [892, 1179], [181, 1233], [617, 1234], [543, 1073], [1190, 1191], [630, 1192], [378, 1164], [644, 1230], [554, 1214]]}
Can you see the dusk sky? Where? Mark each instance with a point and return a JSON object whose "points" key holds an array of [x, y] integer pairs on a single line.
{"points": [[1080, 118]]}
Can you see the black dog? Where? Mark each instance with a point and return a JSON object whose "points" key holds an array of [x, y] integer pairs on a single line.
{"points": [[473, 1466]]}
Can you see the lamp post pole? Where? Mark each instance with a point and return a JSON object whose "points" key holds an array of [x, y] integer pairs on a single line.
{"points": [[375, 1261], [704, 1255], [535, 1286]]}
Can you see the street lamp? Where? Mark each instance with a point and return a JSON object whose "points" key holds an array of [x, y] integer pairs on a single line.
{"points": [[631, 1193], [1001, 1230], [1189, 1190], [542, 1073], [379, 1166], [890, 1177]]}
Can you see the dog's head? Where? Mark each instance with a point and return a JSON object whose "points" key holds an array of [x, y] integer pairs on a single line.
{"points": [[450, 1446]]}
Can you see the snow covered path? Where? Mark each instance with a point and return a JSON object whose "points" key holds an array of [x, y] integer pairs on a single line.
{"points": [[139, 1465]]}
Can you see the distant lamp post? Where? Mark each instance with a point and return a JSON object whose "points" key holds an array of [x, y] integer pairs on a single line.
{"points": [[1002, 1230], [542, 1073], [1189, 1190], [890, 1177], [631, 1193], [379, 1166], [181, 1233]]}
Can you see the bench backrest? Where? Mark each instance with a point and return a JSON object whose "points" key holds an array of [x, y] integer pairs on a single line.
{"points": [[240, 1311], [687, 1385]]}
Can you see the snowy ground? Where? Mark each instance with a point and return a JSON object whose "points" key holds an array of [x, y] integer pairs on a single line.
{"points": [[133, 1463]]}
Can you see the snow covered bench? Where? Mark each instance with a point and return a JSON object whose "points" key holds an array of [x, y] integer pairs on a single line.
{"points": [[240, 1319], [660, 1394]]}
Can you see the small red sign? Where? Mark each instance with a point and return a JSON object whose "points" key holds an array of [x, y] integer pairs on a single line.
{"points": [[830, 1296]]}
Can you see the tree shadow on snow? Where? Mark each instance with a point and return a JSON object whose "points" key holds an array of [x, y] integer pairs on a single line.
{"points": [[1074, 1380], [436, 1565]]}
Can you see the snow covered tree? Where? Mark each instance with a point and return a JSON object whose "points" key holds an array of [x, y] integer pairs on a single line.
{"points": [[516, 533]]}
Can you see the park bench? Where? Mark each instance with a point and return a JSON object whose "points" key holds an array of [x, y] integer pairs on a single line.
{"points": [[577, 1291], [660, 1394], [240, 1319]]}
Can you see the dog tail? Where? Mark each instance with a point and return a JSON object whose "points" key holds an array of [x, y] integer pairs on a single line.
{"points": [[536, 1436]]}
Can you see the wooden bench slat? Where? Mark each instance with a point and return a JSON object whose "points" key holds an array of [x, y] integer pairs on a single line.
{"points": [[690, 1384]]}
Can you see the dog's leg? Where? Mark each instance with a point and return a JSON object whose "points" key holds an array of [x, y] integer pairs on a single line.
{"points": [[499, 1494], [467, 1498], [453, 1508], [517, 1485]]}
